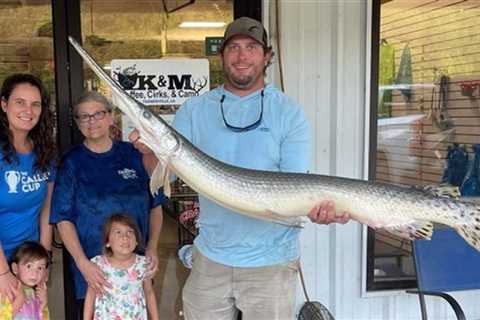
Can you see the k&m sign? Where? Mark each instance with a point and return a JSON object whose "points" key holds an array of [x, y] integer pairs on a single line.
{"points": [[162, 81]]}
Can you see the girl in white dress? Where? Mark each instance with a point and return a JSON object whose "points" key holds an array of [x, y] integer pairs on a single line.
{"points": [[130, 295]]}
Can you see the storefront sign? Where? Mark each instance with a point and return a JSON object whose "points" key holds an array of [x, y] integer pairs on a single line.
{"points": [[212, 45], [162, 81]]}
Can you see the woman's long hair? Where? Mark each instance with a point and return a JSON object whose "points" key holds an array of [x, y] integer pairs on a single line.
{"points": [[41, 135]]}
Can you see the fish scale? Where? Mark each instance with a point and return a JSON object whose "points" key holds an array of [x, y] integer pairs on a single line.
{"points": [[285, 197]]}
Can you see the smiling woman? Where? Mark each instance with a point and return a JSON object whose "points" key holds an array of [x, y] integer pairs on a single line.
{"points": [[23, 108], [93, 114], [26, 164]]}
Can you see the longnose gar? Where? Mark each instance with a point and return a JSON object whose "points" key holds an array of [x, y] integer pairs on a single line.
{"points": [[286, 197]]}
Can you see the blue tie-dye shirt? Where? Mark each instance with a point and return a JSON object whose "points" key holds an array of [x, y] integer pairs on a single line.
{"points": [[91, 186]]}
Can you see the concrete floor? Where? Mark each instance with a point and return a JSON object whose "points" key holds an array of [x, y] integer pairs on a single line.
{"points": [[167, 283]]}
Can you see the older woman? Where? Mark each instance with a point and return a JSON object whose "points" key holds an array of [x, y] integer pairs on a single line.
{"points": [[27, 153], [99, 177]]}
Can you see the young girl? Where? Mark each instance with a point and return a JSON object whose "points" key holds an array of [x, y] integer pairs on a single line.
{"points": [[29, 264], [130, 295]]}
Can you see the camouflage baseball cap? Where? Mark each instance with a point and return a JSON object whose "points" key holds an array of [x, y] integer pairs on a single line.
{"points": [[247, 27]]}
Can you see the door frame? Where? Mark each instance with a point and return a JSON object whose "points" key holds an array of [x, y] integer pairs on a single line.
{"points": [[69, 80]]}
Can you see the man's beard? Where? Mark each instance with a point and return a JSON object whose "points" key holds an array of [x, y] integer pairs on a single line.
{"points": [[239, 81]]}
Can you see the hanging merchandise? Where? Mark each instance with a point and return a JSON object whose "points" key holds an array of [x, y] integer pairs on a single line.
{"points": [[439, 112], [457, 164], [471, 185], [386, 75], [468, 88], [404, 75]]}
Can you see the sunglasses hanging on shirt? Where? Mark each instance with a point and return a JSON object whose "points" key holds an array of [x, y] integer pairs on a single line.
{"points": [[250, 127]]}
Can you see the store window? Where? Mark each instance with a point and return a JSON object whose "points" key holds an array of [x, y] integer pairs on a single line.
{"points": [[26, 41], [427, 111]]}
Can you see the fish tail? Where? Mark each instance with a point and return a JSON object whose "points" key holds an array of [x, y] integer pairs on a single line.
{"points": [[471, 231]]}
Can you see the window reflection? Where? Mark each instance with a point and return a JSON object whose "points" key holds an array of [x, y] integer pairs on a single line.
{"points": [[26, 40], [428, 116]]}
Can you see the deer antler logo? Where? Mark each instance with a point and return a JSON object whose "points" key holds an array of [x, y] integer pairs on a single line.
{"points": [[199, 84]]}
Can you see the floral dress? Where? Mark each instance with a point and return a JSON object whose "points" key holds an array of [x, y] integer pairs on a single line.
{"points": [[125, 300]]}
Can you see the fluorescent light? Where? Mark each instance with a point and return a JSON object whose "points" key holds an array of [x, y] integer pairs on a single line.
{"points": [[202, 24]]}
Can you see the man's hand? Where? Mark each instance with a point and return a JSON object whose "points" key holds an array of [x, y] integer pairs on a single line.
{"points": [[149, 159], [94, 276], [324, 213], [134, 138]]}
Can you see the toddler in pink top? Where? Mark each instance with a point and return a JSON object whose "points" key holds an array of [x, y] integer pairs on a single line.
{"points": [[29, 263]]}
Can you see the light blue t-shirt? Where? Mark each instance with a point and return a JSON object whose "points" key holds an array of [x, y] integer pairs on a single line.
{"points": [[22, 193], [280, 143]]}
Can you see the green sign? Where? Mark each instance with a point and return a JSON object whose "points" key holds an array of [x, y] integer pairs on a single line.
{"points": [[212, 45]]}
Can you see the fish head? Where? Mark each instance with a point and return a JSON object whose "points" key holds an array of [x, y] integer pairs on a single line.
{"points": [[155, 132]]}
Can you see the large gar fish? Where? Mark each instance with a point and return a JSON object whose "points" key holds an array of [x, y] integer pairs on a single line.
{"points": [[286, 197]]}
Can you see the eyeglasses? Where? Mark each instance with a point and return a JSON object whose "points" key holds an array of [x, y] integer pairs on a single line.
{"points": [[252, 126], [85, 117]]}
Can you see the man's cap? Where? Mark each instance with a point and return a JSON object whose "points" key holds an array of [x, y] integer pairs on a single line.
{"points": [[248, 27]]}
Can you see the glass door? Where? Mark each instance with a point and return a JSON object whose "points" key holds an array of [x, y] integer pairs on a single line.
{"points": [[144, 30]]}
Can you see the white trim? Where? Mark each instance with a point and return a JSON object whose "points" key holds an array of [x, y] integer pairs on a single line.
{"points": [[368, 62], [266, 4]]}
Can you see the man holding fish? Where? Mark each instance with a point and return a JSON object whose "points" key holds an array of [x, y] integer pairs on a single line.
{"points": [[239, 262], [244, 145]]}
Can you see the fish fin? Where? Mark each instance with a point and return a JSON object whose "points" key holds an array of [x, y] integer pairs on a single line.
{"points": [[471, 234], [413, 230], [167, 190], [275, 217], [471, 231], [160, 179], [443, 190]]}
